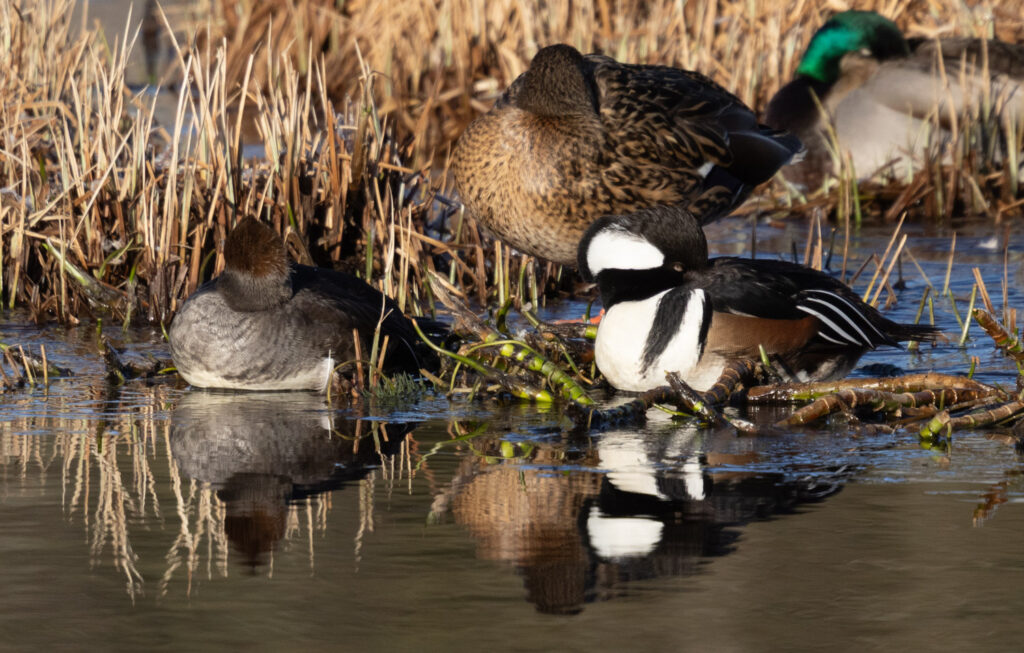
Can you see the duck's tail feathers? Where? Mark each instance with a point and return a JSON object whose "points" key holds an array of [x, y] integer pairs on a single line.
{"points": [[758, 155], [918, 332], [845, 321]]}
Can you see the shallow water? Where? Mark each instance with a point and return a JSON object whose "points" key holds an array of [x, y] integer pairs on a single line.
{"points": [[155, 516]]}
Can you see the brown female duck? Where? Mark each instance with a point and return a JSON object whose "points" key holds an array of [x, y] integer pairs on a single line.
{"points": [[579, 136]]}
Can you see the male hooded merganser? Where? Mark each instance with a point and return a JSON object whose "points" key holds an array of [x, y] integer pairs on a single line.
{"points": [[267, 324], [579, 136], [669, 308], [880, 91]]}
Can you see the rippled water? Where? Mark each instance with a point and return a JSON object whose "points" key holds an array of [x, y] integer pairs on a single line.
{"points": [[153, 516]]}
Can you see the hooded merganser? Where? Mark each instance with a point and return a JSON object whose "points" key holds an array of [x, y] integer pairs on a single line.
{"points": [[669, 308], [579, 136], [880, 89], [267, 324]]}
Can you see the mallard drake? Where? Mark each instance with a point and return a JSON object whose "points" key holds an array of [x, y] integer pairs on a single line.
{"points": [[268, 324], [880, 90], [579, 136], [670, 308]]}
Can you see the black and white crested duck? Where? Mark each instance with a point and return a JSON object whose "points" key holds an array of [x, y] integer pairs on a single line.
{"points": [[670, 308], [268, 324], [579, 136]]}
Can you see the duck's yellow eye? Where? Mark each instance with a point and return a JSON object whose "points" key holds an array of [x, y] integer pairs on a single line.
{"points": [[678, 267]]}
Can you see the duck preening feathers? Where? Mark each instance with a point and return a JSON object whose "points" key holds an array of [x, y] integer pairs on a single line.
{"points": [[579, 136], [268, 324]]}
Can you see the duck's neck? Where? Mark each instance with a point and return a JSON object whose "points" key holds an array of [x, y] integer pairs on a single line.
{"points": [[794, 109], [248, 293], [635, 285]]}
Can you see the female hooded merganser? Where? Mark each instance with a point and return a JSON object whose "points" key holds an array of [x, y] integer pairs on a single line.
{"points": [[669, 308], [579, 136], [267, 324], [880, 90]]}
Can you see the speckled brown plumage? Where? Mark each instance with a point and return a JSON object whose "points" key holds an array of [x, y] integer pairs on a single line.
{"points": [[576, 137]]}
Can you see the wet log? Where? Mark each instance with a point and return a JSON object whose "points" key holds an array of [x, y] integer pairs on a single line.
{"points": [[876, 401], [943, 422], [787, 393], [1007, 342]]}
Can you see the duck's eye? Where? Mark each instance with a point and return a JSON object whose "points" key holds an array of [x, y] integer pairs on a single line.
{"points": [[678, 267]]}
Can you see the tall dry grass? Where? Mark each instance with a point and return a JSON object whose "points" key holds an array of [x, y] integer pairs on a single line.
{"points": [[107, 211], [441, 62]]}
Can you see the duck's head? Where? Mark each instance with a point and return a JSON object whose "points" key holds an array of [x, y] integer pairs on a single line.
{"points": [[642, 253], [256, 271], [557, 83], [862, 32]]}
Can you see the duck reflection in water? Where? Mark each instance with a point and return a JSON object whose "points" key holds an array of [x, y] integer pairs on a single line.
{"points": [[580, 522], [261, 451]]}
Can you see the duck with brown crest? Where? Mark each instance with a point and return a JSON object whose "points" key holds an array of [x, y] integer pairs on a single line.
{"points": [[268, 324], [579, 136]]}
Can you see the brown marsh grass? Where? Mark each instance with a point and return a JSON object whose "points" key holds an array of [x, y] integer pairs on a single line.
{"points": [[105, 211], [442, 62]]}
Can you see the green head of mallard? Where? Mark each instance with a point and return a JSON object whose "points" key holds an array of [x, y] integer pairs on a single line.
{"points": [[850, 31]]}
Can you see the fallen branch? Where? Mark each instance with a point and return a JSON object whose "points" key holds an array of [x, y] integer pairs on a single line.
{"points": [[677, 393], [467, 321], [586, 418], [876, 401], [943, 422], [511, 384], [787, 393]]}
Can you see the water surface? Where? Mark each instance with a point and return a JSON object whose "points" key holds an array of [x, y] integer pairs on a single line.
{"points": [[151, 515]]}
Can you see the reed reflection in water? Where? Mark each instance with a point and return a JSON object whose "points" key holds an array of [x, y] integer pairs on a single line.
{"points": [[248, 470], [265, 452], [173, 490]]}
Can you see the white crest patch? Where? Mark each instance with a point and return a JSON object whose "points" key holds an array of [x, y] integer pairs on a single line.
{"points": [[618, 249]]}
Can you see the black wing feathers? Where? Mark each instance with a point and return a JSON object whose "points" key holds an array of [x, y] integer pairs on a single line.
{"points": [[787, 291]]}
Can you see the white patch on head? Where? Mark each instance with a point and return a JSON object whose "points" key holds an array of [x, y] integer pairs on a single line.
{"points": [[623, 333], [622, 537], [618, 249]]}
